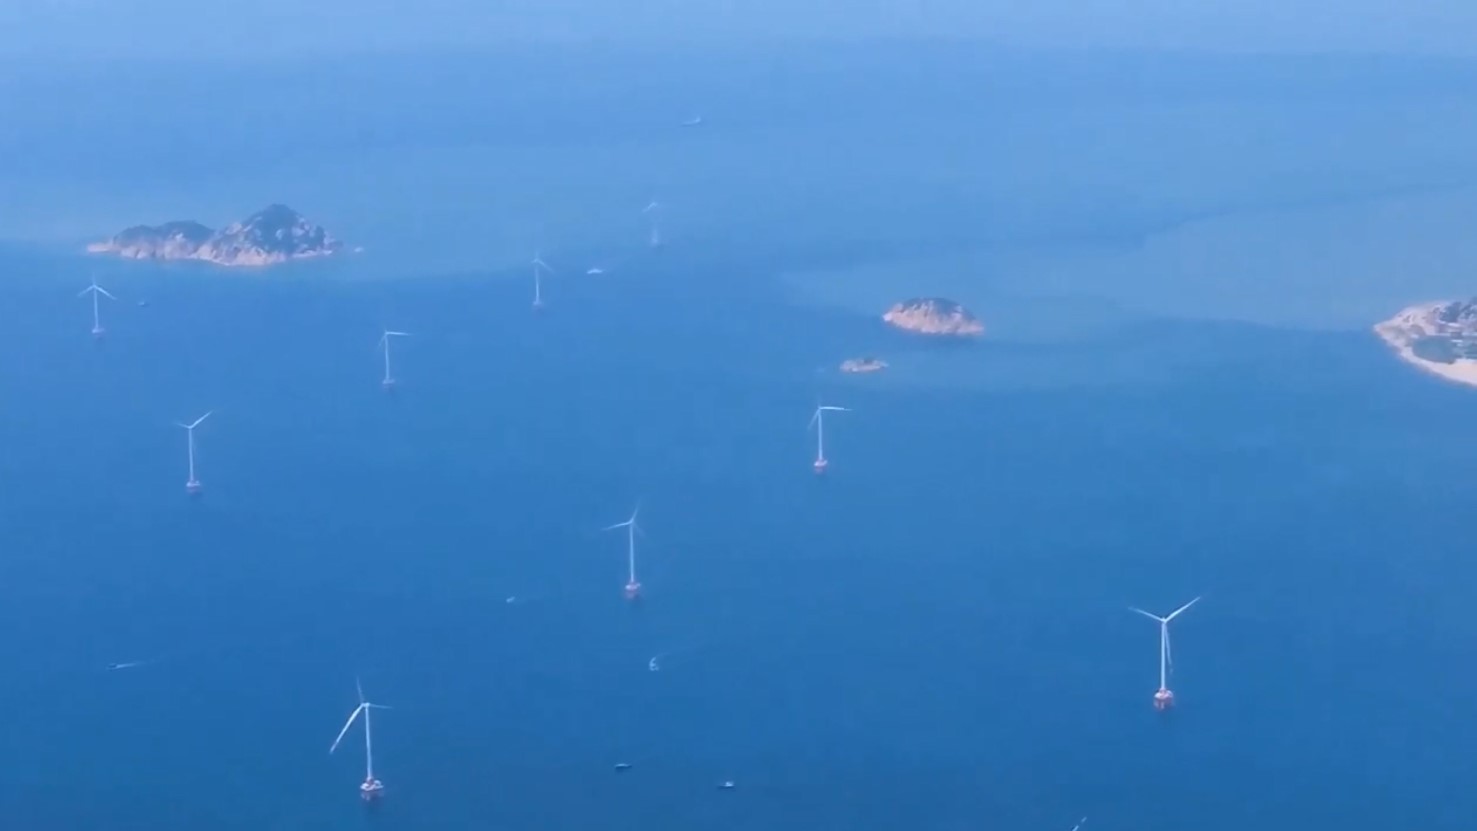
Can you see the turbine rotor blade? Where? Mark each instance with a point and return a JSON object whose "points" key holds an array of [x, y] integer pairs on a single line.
{"points": [[1149, 615], [1176, 612], [347, 725]]}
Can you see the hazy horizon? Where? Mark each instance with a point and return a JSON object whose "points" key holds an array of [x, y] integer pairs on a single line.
{"points": [[283, 27]]}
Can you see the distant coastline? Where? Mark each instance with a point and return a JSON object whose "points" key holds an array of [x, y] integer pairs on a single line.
{"points": [[1437, 337]]}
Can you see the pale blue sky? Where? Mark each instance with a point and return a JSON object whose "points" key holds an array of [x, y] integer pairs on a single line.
{"points": [[194, 28]]}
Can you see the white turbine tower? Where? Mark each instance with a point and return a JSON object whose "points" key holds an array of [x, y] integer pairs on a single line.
{"points": [[389, 380], [192, 485], [372, 788], [539, 268], [819, 423], [1163, 698], [633, 586], [96, 291], [653, 209]]}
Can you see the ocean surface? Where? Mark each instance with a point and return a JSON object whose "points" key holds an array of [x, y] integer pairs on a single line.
{"points": [[934, 635]]}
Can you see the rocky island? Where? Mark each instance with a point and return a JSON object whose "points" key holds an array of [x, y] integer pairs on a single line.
{"points": [[1440, 338], [863, 365], [934, 316], [272, 235]]}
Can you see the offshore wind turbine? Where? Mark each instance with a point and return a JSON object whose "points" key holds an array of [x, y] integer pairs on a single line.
{"points": [[539, 267], [95, 290], [653, 209], [633, 586], [819, 423], [192, 485], [372, 788], [389, 381], [1164, 699]]}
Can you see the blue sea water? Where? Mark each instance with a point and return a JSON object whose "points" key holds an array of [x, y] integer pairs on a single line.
{"points": [[934, 635]]}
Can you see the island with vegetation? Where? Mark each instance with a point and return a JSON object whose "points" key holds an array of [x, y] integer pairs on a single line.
{"points": [[1440, 338], [934, 316], [863, 365], [272, 235]]}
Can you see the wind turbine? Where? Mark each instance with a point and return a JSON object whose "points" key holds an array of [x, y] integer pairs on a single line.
{"points": [[95, 290], [539, 267], [192, 485], [633, 587], [1164, 699], [654, 209], [389, 382], [372, 788], [818, 422]]}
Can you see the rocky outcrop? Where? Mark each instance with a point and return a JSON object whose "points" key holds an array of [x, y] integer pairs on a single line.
{"points": [[1440, 338], [863, 365], [934, 316], [272, 235]]}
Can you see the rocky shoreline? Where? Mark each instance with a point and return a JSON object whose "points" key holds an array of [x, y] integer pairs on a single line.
{"points": [[1438, 337]]}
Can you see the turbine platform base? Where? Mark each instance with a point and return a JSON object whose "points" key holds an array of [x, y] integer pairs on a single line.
{"points": [[633, 590], [1163, 700], [388, 385], [821, 465], [193, 487], [98, 331], [371, 790]]}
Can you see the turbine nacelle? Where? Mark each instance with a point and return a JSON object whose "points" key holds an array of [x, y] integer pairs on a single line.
{"points": [[816, 416], [94, 288], [630, 523], [196, 423]]}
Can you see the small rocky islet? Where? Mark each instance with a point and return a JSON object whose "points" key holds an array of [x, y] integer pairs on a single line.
{"points": [[933, 316], [275, 234], [1439, 337], [859, 365]]}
